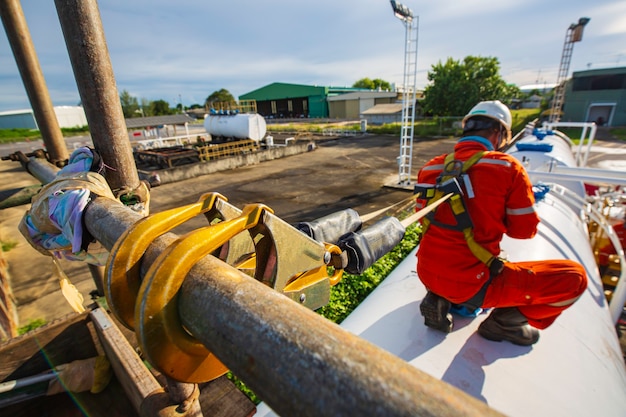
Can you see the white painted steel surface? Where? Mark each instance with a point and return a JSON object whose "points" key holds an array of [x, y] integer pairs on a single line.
{"points": [[538, 161], [238, 126], [576, 368]]}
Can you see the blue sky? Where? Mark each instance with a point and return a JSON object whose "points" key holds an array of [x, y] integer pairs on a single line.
{"points": [[184, 51]]}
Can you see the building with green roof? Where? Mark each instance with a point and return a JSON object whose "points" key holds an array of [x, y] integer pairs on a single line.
{"points": [[598, 96], [283, 100]]}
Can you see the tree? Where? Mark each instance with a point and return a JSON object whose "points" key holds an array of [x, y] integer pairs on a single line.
{"points": [[220, 96], [160, 108], [130, 105], [375, 84], [455, 87]]}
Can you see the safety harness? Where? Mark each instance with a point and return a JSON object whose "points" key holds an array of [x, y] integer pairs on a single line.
{"points": [[455, 180]]}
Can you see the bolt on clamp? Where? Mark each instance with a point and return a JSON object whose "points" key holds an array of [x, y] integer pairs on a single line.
{"points": [[123, 278]]}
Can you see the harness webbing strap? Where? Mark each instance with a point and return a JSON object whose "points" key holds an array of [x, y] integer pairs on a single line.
{"points": [[453, 170]]}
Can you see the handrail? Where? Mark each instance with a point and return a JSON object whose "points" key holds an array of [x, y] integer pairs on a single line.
{"points": [[581, 158], [616, 305]]}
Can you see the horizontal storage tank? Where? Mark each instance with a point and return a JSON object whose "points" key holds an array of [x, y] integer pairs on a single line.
{"points": [[544, 151], [236, 126]]}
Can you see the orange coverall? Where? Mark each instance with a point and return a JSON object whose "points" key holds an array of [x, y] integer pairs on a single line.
{"points": [[503, 203]]}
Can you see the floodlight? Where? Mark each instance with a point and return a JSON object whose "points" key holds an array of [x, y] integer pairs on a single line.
{"points": [[401, 11], [577, 29]]}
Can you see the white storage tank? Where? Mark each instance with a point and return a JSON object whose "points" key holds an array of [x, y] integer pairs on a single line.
{"points": [[542, 151], [236, 126]]}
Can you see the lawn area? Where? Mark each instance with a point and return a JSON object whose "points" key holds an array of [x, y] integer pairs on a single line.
{"points": [[24, 135]]}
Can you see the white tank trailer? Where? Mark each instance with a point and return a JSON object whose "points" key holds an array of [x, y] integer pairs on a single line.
{"points": [[224, 128]]}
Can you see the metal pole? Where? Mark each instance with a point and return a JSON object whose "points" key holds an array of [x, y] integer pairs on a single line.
{"points": [[87, 48], [38, 168], [297, 361], [34, 82]]}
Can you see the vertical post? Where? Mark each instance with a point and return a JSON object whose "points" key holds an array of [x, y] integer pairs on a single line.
{"points": [[574, 34], [34, 82], [87, 48], [408, 94]]}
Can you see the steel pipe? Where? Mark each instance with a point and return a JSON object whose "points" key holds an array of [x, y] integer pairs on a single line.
{"points": [[89, 55], [41, 169], [28, 64]]}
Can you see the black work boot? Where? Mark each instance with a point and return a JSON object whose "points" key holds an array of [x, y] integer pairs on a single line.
{"points": [[508, 324], [436, 312]]}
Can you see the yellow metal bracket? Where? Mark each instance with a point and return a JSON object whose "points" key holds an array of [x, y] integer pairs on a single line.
{"points": [[122, 278], [291, 262], [273, 252], [164, 341], [312, 288]]}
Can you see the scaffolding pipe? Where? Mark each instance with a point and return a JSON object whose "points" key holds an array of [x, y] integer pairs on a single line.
{"points": [[34, 82], [38, 168], [89, 55]]}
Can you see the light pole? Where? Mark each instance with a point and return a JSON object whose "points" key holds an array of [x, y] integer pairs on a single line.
{"points": [[574, 34], [408, 91]]}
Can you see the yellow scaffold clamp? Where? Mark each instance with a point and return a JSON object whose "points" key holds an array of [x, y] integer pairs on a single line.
{"points": [[271, 251], [123, 277], [279, 256]]}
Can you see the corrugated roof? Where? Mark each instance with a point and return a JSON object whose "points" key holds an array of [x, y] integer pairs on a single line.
{"points": [[14, 112], [173, 119], [390, 108], [363, 94]]}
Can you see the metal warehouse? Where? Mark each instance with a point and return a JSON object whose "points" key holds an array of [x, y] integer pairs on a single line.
{"points": [[597, 96], [282, 100]]}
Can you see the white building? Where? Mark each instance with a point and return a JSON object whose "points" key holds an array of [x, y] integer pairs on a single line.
{"points": [[67, 116]]}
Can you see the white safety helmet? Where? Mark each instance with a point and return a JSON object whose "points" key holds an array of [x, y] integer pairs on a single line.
{"points": [[492, 109]]}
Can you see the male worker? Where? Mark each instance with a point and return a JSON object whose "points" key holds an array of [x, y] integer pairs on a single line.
{"points": [[458, 257]]}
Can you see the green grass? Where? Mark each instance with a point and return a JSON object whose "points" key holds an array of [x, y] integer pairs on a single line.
{"points": [[574, 133], [619, 133], [32, 325], [24, 135], [426, 127], [18, 135]]}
